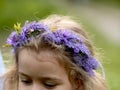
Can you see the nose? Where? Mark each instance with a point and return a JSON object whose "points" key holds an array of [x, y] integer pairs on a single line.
{"points": [[37, 86]]}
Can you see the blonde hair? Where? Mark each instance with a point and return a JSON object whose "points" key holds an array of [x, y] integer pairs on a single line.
{"points": [[75, 73]]}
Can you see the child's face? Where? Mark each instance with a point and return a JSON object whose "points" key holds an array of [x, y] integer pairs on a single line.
{"points": [[41, 72]]}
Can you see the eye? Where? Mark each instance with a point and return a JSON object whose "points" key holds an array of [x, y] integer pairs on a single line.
{"points": [[26, 81], [50, 84]]}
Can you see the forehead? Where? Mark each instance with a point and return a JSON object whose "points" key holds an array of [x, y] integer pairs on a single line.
{"points": [[42, 54], [37, 64]]}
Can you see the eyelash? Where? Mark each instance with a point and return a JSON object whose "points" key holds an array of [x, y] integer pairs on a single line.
{"points": [[27, 82], [50, 85], [47, 84]]}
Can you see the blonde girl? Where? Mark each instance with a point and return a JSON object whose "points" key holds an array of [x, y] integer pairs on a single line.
{"points": [[53, 54]]}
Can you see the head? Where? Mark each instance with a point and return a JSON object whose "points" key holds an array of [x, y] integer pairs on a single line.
{"points": [[44, 65]]}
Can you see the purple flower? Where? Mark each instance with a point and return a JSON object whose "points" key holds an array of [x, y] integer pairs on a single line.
{"points": [[35, 26], [72, 42], [28, 28], [80, 52], [13, 39], [49, 37], [93, 62], [88, 63]]}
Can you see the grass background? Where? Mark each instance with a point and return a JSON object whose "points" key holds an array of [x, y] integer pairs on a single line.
{"points": [[21, 10], [111, 57]]}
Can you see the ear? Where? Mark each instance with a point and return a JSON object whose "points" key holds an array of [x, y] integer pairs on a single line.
{"points": [[79, 85]]}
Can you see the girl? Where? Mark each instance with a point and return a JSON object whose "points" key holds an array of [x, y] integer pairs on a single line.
{"points": [[53, 54]]}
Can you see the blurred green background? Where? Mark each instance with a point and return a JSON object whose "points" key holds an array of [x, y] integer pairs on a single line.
{"points": [[101, 18]]}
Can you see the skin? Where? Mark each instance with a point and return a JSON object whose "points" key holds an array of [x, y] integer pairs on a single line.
{"points": [[41, 72]]}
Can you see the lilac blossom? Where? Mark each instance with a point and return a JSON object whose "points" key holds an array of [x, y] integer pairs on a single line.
{"points": [[13, 39], [72, 42]]}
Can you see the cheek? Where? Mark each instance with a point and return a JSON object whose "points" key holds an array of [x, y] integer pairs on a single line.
{"points": [[65, 87]]}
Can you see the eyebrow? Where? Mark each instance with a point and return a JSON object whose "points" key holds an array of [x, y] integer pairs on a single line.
{"points": [[43, 77], [21, 73]]}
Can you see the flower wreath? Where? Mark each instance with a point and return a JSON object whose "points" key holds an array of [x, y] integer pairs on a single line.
{"points": [[72, 42]]}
